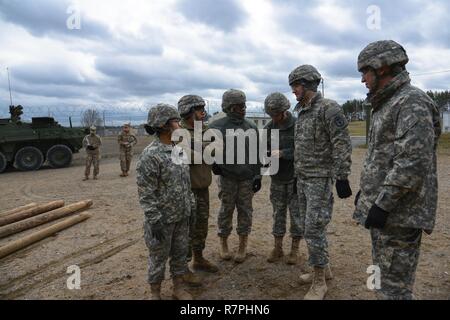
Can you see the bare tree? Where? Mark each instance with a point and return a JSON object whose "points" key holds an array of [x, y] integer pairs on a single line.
{"points": [[91, 117]]}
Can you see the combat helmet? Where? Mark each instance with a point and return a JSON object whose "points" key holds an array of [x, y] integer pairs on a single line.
{"points": [[305, 74], [159, 115], [187, 103], [232, 97], [382, 53], [276, 103]]}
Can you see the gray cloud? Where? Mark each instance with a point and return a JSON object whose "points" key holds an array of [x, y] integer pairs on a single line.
{"points": [[149, 65], [224, 15], [49, 17]]}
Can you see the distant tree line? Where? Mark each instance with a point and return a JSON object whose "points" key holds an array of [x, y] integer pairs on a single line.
{"points": [[354, 110], [442, 99]]}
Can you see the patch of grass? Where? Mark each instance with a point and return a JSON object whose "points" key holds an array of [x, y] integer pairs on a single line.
{"points": [[444, 143], [357, 128]]}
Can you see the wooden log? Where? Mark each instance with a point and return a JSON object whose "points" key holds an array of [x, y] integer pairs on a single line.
{"points": [[43, 218], [25, 214], [19, 209], [21, 243]]}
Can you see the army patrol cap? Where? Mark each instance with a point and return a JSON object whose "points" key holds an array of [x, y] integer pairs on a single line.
{"points": [[127, 125], [276, 103], [382, 53], [232, 97], [187, 103], [305, 73], [93, 128], [159, 115]]}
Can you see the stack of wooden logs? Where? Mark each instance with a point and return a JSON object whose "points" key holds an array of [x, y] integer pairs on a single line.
{"points": [[34, 215]]}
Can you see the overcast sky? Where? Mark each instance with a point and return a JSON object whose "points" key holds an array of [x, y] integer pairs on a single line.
{"points": [[138, 53]]}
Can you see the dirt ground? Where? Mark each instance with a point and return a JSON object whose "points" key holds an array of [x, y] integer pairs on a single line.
{"points": [[110, 250]]}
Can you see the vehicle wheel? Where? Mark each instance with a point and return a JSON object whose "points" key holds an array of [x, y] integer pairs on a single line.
{"points": [[3, 162], [59, 156], [28, 159]]}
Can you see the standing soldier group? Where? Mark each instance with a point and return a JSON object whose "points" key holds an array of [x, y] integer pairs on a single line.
{"points": [[397, 200], [92, 144]]}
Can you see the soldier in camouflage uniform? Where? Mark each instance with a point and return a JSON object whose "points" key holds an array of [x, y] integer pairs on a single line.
{"points": [[237, 182], [283, 188], [165, 195], [92, 144], [322, 155], [126, 142], [398, 196], [192, 108]]}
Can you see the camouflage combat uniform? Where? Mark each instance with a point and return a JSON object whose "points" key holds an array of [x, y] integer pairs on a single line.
{"points": [[165, 195], [92, 156], [201, 178], [322, 154], [236, 182], [126, 142], [282, 187], [399, 176]]}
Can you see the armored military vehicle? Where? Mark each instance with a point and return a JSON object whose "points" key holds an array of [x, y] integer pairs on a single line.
{"points": [[28, 146]]}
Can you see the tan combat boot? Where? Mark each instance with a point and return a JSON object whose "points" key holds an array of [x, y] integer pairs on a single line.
{"points": [[293, 255], [179, 293], [242, 251], [192, 279], [155, 290], [201, 264], [319, 287], [308, 277], [277, 252], [86, 178], [123, 175], [95, 178], [224, 252]]}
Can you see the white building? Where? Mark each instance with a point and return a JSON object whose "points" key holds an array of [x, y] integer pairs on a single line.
{"points": [[446, 122]]}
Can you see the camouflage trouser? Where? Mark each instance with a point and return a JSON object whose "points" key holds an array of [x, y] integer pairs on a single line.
{"points": [[235, 194], [396, 251], [315, 199], [125, 160], [198, 228], [282, 198], [174, 246], [92, 159]]}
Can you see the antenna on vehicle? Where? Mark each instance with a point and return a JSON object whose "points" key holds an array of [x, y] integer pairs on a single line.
{"points": [[9, 82]]}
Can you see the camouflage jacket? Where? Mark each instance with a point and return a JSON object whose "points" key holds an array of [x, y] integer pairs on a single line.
{"points": [[399, 173], [201, 176], [286, 146], [164, 187], [94, 141], [126, 141], [323, 146], [239, 172]]}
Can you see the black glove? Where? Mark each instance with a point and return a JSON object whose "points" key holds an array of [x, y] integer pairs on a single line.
{"points": [[256, 185], [377, 218], [295, 187], [216, 170], [92, 148], [157, 230], [357, 198], [343, 189]]}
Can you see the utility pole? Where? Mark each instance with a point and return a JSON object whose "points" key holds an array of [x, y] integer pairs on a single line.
{"points": [[9, 82], [104, 123]]}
